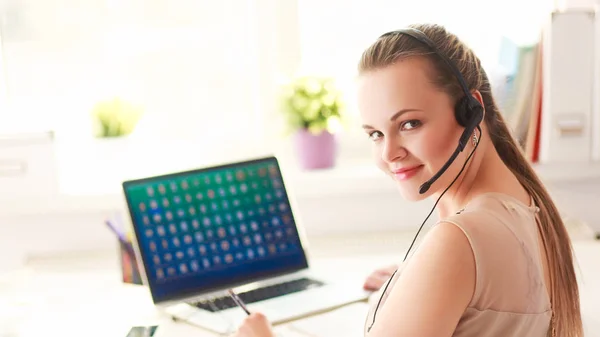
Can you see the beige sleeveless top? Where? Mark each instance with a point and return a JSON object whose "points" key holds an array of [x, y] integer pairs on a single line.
{"points": [[510, 297]]}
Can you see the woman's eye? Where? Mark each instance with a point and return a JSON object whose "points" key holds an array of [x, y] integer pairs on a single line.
{"points": [[375, 135], [408, 125]]}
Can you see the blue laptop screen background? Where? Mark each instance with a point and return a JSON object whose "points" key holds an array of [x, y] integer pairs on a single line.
{"points": [[216, 227]]}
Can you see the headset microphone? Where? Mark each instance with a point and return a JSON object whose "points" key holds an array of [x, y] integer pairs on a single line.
{"points": [[426, 185], [462, 143]]}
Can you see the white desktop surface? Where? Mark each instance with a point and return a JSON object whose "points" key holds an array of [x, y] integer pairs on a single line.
{"points": [[83, 294]]}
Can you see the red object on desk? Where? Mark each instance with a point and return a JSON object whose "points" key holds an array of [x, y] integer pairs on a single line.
{"points": [[129, 266]]}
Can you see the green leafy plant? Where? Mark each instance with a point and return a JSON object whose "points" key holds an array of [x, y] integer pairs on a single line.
{"points": [[312, 103], [115, 118]]}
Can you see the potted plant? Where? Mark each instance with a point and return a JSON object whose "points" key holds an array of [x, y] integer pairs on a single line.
{"points": [[312, 107], [115, 118], [114, 121]]}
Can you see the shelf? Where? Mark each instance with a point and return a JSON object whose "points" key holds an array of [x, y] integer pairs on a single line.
{"points": [[563, 172]]}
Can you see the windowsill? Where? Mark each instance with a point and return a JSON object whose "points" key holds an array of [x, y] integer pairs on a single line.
{"points": [[90, 182], [99, 189], [354, 197]]}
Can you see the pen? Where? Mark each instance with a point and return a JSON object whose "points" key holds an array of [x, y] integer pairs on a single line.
{"points": [[238, 301], [115, 230], [120, 236]]}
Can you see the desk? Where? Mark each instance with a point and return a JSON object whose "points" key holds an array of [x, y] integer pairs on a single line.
{"points": [[83, 294], [75, 296]]}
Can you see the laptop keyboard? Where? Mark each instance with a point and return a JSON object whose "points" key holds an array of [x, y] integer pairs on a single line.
{"points": [[260, 294]]}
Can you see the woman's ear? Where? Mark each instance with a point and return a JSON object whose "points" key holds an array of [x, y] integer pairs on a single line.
{"points": [[479, 98]]}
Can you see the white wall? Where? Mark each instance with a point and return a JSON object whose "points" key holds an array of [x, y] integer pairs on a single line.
{"points": [[3, 93], [576, 4]]}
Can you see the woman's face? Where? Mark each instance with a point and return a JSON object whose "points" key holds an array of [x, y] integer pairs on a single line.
{"points": [[411, 124]]}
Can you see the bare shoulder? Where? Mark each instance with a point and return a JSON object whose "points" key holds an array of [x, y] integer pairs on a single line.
{"points": [[436, 285], [448, 236], [446, 253]]}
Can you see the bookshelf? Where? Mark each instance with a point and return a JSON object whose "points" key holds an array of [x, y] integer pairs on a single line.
{"points": [[568, 111], [550, 93]]}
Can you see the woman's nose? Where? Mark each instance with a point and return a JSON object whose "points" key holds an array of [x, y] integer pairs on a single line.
{"points": [[393, 151]]}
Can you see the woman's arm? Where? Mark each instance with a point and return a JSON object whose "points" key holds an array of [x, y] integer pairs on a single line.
{"points": [[255, 325], [379, 277], [434, 289]]}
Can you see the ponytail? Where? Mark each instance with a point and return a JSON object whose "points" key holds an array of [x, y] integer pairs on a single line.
{"points": [[566, 314]]}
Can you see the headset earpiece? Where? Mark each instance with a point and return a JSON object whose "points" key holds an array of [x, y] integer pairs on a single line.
{"points": [[462, 111], [466, 109], [477, 110]]}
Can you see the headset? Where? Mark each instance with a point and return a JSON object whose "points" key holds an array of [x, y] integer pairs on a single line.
{"points": [[468, 112]]}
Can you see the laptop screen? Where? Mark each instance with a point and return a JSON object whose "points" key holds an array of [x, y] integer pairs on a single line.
{"points": [[214, 227]]}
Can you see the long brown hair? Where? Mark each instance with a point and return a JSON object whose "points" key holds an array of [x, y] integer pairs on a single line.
{"points": [[566, 319]]}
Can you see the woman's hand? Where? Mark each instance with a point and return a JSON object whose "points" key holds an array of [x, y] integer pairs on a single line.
{"points": [[379, 277], [255, 325]]}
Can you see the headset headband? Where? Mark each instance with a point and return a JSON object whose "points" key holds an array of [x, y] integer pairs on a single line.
{"points": [[420, 36]]}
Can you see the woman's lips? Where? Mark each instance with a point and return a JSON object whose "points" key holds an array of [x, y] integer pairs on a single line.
{"points": [[406, 173]]}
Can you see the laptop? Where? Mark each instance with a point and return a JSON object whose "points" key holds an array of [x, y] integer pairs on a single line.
{"points": [[199, 233]]}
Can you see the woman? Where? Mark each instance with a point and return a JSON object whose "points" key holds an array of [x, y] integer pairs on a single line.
{"points": [[499, 261]]}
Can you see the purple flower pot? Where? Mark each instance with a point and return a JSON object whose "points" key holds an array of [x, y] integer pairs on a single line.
{"points": [[315, 151]]}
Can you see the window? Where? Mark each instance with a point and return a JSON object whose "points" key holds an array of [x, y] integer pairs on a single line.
{"points": [[204, 70], [208, 71]]}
